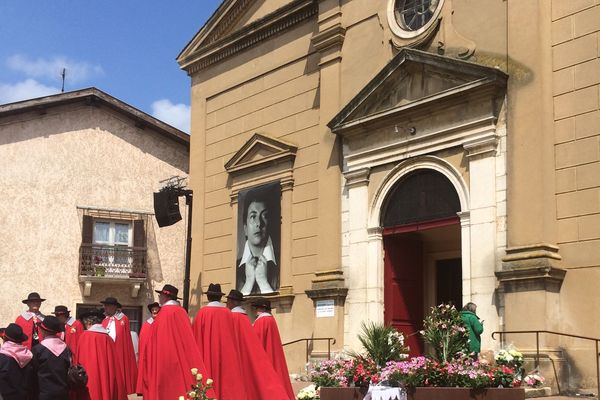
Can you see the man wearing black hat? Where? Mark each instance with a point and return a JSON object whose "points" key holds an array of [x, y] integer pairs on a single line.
{"points": [[29, 319], [51, 361], [214, 332], [266, 329], [117, 324], [260, 379], [73, 327], [170, 353], [16, 369], [97, 353]]}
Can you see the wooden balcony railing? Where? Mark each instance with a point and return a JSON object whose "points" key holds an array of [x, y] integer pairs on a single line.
{"points": [[112, 261]]}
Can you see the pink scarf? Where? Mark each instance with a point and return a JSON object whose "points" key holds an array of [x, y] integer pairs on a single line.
{"points": [[54, 344], [20, 353]]}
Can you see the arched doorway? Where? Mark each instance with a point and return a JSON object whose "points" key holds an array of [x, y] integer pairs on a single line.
{"points": [[422, 250]]}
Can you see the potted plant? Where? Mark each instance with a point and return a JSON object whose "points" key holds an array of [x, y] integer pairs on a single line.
{"points": [[99, 270]]}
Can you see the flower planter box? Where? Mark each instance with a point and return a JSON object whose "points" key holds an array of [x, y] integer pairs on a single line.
{"points": [[333, 393], [447, 393], [431, 393]]}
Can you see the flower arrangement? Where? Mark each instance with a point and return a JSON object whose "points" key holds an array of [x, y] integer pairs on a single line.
{"points": [[198, 391], [462, 371], [310, 392], [328, 373], [511, 358], [445, 332], [353, 372], [534, 380], [381, 344]]}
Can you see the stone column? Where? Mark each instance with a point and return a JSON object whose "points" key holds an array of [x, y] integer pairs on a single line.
{"points": [[361, 278], [328, 42], [482, 232]]}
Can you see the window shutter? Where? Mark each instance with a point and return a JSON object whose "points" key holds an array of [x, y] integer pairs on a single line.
{"points": [[139, 249], [87, 229], [139, 233]]}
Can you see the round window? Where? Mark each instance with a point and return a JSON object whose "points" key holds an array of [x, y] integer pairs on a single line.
{"points": [[410, 18]]}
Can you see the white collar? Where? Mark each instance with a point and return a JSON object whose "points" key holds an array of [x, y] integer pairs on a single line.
{"points": [[71, 321], [238, 309], [28, 315], [150, 320], [98, 328], [171, 303], [268, 253], [215, 304], [264, 314]]}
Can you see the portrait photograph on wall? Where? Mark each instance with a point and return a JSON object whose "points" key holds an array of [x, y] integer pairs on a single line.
{"points": [[259, 239]]}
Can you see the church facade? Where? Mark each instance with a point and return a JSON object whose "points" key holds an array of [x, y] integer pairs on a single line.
{"points": [[409, 153]]}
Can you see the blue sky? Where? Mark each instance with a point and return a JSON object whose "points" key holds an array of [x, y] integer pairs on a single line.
{"points": [[126, 48]]}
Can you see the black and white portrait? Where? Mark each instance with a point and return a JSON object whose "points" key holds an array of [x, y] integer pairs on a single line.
{"points": [[259, 233]]}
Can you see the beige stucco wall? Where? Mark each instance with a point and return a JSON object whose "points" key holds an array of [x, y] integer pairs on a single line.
{"points": [[78, 156]]}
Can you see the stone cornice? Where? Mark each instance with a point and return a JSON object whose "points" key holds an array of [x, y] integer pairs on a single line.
{"points": [[248, 36], [357, 178]]}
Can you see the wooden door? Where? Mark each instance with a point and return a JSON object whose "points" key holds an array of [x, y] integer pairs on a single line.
{"points": [[403, 287]]}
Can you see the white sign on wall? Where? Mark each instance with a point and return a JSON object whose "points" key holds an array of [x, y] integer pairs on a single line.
{"points": [[325, 308]]}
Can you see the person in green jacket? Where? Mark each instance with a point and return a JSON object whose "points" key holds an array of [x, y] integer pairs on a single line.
{"points": [[474, 326]]}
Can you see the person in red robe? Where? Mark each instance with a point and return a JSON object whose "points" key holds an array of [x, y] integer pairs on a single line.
{"points": [[266, 329], [170, 352], [29, 319], [97, 353], [260, 379], [119, 330], [214, 333], [73, 327], [154, 308]]}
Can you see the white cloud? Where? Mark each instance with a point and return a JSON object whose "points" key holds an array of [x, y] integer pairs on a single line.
{"points": [[76, 71], [27, 89], [177, 115]]}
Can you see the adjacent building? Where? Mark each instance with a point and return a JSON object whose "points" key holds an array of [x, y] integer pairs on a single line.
{"points": [[78, 170], [423, 151]]}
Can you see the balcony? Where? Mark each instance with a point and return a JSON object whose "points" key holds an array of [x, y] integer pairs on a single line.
{"points": [[112, 264]]}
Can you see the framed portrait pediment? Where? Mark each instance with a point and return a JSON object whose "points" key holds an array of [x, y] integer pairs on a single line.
{"points": [[260, 153]]}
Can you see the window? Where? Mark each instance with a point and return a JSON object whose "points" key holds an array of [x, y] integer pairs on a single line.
{"points": [[410, 18], [112, 233], [112, 247]]}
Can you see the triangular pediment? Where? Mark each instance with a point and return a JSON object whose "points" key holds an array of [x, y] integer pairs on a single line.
{"points": [[239, 24], [260, 151], [415, 79]]}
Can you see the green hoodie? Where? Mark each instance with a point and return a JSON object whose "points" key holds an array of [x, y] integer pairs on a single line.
{"points": [[475, 329]]}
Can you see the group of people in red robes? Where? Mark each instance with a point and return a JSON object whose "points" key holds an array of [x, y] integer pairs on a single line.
{"points": [[243, 362], [39, 351], [220, 344]]}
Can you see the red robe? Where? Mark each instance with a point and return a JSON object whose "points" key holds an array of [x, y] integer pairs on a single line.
{"points": [[265, 328], [170, 354], [26, 322], [213, 330], [73, 330], [97, 352], [125, 351], [260, 379], [145, 333]]}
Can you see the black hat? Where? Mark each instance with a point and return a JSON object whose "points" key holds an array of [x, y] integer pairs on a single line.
{"points": [[61, 310], [153, 305], [215, 289], [169, 290], [235, 295], [33, 296], [113, 301], [14, 333], [92, 313], [51, 324], [262, 304]]}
